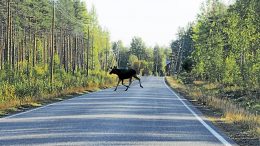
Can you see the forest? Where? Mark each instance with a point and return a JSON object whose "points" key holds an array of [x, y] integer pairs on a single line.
{"points": [[47, 47], [222, 44]]}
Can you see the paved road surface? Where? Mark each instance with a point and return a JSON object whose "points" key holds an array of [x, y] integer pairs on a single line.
{"points": [[153, 115]]}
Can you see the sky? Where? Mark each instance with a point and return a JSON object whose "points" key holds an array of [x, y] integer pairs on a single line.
{"points": [[155, 21]]}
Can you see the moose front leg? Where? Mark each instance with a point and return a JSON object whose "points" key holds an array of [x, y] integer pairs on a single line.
{"points": [[124, 84], [117, 84], [130, 81]]}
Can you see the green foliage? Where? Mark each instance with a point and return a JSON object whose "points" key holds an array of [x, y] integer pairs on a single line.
{"points": [[146, 68], [136, 66], [132, 59], [138, 48], [7, 92], [23, 90], [143, 60], [187, 65], [40, 71], [254, 76], [199, 70], [226, 43], [231, 71], [182, 48], [159, 61]]}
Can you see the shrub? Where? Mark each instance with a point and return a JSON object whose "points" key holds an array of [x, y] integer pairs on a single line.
{"points": [[7, 92]]}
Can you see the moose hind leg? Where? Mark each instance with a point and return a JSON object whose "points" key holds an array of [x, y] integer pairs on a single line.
{"points": [[138, 80]]}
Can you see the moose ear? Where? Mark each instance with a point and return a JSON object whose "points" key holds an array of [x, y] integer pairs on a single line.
{"points": [[115, 67]]}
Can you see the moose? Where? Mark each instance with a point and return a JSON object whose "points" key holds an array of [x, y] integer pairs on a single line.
{"points": [[125, 74]]}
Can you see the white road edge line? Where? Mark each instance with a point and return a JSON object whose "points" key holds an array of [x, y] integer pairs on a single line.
{"points": [[211, 130]]}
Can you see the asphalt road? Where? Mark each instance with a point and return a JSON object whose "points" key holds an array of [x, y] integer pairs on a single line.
{"points": [[153, 115]]}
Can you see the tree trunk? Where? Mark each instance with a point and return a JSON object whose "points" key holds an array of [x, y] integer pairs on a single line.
{"points": [[63, 56], [1, 45], [34, 49], [92, 66], [7, 49], [52, 46], [67, 54], [87, 67], [44, 50]]}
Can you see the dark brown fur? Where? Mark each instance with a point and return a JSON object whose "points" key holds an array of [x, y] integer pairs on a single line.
{"points": [[125, 74]]}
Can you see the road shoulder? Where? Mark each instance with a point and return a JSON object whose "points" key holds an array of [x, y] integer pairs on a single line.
{"points": [[232, 130]]}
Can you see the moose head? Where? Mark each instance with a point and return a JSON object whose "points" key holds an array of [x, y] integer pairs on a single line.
{"points": [[113, 70]]}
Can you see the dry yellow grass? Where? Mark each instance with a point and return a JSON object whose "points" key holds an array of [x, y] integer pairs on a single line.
{"points": [[258, 130], [175, 84], [232, 112], [199, 82], [210, 86], [9, 104], [195, 93]]}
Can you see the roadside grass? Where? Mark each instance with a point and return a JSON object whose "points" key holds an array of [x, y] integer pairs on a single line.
{"points": [[17, 104], [217, 97]]}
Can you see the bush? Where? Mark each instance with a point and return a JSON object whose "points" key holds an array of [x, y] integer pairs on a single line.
{"points": [[23, 90], [187, 65], [37, 84], [7, 92]]}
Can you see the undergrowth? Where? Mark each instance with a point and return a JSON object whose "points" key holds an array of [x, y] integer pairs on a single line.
{"points": [[35, 88]]}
